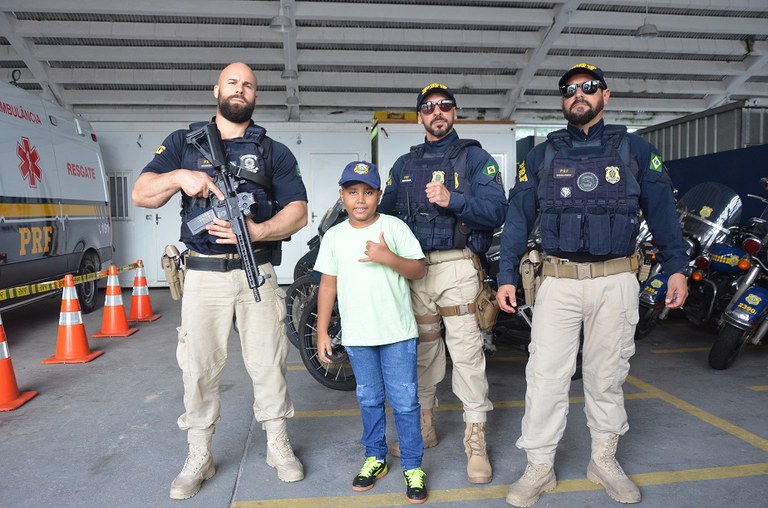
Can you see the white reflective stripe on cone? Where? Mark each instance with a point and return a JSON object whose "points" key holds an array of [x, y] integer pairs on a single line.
{"points": [[113, 300], [112, 280], [69, 293], [4, 353], [140, 290], [70, 318]]}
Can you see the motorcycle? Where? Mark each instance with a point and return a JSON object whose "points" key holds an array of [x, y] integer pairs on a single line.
{"points": [[709, 213], [746, 315]]}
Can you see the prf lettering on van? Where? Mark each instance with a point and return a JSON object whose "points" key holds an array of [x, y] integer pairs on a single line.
{"points": [[35, 239]]}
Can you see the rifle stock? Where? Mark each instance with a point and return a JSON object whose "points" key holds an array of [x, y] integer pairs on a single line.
{"points": [[235, 208]]}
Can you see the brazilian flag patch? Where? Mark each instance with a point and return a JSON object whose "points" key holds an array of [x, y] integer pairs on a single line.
{"points": [[655, 162], [491, 169], [298, 171]]}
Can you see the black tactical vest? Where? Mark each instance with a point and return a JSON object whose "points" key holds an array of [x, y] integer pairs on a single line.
{"points": [[589, 195], [434, 227], [250, 154]]}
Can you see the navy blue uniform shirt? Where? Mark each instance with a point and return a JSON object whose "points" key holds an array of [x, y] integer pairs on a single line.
{"points": [[485, 208], [287, 186], [656, 202]]}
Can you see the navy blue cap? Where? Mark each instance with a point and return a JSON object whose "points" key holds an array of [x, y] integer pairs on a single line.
{"points": [[361, 171], [434, 88], [584, 68]]}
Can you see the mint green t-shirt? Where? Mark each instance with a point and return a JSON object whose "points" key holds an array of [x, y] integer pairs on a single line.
{"points": [[374, 300]]}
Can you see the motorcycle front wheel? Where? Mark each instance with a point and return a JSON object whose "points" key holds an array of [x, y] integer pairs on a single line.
{"points": [[337, 375], [296, 297], [649, 318], [305, 264], [727, 346]]}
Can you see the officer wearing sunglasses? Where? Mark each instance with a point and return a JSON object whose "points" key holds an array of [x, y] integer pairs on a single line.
{"points": [[449, 191], [589, 182]]}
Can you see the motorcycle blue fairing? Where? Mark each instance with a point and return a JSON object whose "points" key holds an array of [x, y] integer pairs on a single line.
{"points": [[750, 307], [725, 258], [654, 288]]}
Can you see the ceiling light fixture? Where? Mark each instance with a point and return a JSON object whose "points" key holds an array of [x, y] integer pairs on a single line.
{"points": [[289, 74], [292, 100], [646, 30]]}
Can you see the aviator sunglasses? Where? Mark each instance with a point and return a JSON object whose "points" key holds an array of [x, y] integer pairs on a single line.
{"points": [[588, 87], [445, 106]]}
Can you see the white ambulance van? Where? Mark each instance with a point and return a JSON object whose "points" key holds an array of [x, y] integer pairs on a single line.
{"points": [[54, 204]]}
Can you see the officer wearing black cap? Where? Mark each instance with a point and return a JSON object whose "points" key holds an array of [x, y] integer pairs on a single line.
{"points": [[449, 191], [589, 182]]}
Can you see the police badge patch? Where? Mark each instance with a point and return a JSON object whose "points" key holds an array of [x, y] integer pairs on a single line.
{"points": [[612, 175], [361, 169], [438, 176], [587, 182], [249, 162]]}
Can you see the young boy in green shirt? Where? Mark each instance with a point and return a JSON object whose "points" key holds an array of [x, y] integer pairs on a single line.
{"points": [[366, 261]]}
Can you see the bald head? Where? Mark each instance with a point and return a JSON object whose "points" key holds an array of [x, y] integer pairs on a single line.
{"points": [[235, 93]]}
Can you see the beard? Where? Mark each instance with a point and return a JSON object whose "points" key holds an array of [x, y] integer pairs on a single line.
{"points": [[236, 113], [439, 132], [584, 117]]}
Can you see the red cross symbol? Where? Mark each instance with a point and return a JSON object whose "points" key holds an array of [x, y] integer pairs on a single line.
{"points": [[29, 159]]}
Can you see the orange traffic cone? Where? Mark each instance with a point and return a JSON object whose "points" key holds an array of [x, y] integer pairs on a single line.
{"points": [[72, 344], [141, 307], [10, 397], [114, 322]]}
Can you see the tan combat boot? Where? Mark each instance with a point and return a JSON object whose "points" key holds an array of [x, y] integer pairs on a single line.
{"points": [[478, 467], [428, 434], [279, 452], [605, 470], [537, 479], [197, 468]]}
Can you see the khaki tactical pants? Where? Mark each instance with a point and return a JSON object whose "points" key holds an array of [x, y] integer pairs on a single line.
{"points": [[608, 307], [450, 284], [212, 303]]}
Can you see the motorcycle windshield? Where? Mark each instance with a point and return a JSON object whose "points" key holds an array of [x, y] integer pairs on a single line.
{"points": [[707, 210]]}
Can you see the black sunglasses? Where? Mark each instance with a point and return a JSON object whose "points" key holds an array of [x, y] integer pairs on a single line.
{"points": [[445, 106], [588, 87]]}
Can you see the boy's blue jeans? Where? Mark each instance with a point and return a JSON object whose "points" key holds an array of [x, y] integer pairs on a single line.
{"points": [[390, 368]]}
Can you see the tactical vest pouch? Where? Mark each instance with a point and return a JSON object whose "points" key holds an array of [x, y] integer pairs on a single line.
{"points": [[598, 231], [549, 230], [570, 230], [422, 230], [442, 237], [171, 262], [623, 231]]}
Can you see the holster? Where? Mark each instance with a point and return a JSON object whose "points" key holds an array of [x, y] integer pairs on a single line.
{"points": [[530, 277], [171, 262], [486, 307]]}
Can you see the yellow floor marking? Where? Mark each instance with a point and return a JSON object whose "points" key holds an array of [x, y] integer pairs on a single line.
{"points": [[454, 407], [763, 388], [681, 350], [711, 419], [500, 491]]}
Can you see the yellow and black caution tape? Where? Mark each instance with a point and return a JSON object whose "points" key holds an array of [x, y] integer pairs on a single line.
{"points": [[44, 287]]}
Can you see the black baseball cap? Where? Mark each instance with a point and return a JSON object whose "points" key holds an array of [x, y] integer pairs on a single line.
{"points": [[361, 171], [584, 68], [434, 88]]}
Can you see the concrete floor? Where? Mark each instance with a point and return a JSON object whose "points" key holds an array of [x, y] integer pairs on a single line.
{"points": [[104, 433]]}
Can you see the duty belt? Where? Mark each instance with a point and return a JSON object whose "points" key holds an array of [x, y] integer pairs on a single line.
{"points": [[564, 269], [434, 257], [222, 262]]}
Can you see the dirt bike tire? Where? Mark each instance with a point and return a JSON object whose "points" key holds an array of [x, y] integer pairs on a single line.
{"points": [[296, 297], [337, 376], [305, 264], [727, 347]]}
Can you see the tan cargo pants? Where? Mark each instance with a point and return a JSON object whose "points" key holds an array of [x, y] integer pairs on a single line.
{"points": [[449, 284], [212, 303], [608, 308]]}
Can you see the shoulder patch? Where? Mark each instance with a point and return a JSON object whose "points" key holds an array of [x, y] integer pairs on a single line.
{"points": [[389, 180], [655, 162], [490, 168], [298, 171], [160, 149], [522, 176]]}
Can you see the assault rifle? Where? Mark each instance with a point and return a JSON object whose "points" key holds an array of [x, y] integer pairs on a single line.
{"points": [[235, 207]]}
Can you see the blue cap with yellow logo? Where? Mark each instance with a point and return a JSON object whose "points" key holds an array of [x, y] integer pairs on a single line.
{"points": [[435, 88], [361, 171], [584, 68]]}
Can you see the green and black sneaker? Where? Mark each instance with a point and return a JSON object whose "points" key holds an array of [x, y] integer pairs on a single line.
{"points": [[372, 470], [415, 490]]}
